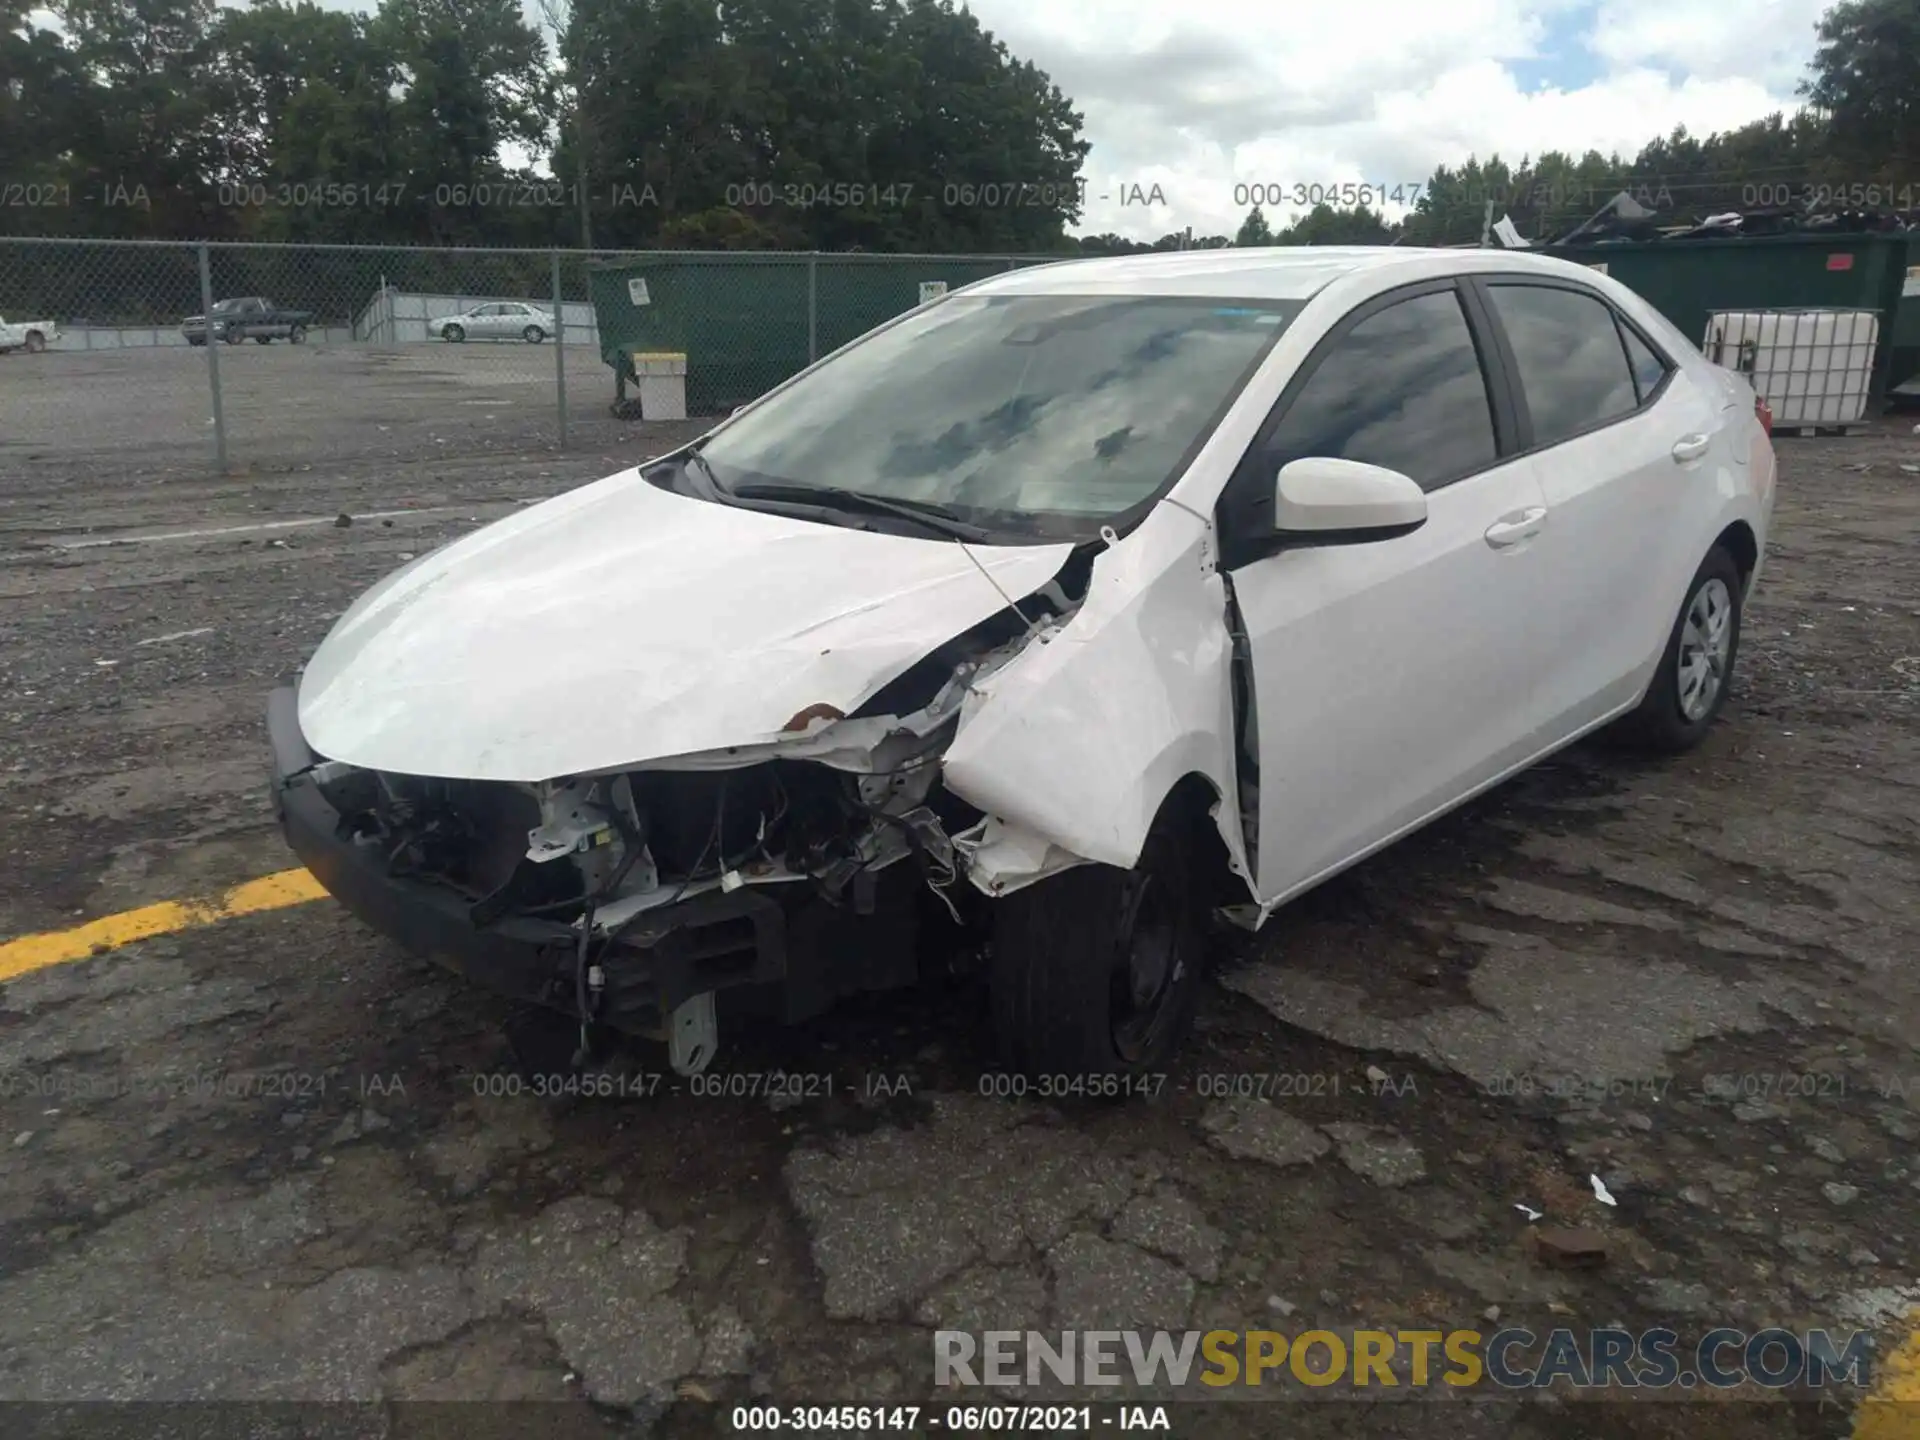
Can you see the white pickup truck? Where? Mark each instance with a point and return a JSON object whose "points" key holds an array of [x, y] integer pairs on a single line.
{"points": [[32, 336]]}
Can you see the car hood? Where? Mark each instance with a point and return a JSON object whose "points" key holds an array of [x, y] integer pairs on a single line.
{"points": [[622, 623]]}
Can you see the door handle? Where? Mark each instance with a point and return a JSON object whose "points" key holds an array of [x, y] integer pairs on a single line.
{"points": [[1520, 525], [1690, 447]]}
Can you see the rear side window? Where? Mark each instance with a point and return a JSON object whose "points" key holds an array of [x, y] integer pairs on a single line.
{"points": [[1403, 389], [1573, 368], [1649, 369]]}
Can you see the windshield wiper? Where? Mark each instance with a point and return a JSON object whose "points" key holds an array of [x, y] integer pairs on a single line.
{"points": [[694, 460], [928, 514]]}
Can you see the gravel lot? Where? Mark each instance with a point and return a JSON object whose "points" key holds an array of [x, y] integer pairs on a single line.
{"points": [[149, 413], [1724, 942]]}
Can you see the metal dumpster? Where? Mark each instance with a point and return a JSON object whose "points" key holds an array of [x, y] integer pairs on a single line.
{"points": [[746, 321], [1688, 280], [1904, 344]]}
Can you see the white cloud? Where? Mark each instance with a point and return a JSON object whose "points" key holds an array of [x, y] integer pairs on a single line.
{"points": [[1768, 41], [1197, 98]]}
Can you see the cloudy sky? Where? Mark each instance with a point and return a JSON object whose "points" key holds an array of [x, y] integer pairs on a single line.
{"points": [[1195, 97]]}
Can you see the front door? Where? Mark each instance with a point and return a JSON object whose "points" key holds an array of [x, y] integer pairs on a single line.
{"points": [[1391, 677]]}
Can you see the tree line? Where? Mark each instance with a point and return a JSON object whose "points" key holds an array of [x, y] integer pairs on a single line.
{"points": [[837, 125]]}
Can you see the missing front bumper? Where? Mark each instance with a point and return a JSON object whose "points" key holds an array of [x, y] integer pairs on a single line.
{"points": [[772, 939]]}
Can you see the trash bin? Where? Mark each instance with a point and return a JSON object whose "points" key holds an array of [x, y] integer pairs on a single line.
{"points": [[746, 321], [1690, 280], [1903, 345]]}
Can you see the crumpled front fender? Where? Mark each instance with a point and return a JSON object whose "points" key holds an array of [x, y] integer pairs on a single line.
{"points": [[1076, 743]]}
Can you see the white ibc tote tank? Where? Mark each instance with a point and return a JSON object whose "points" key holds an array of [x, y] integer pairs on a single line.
{"points": [[1813, 367]]}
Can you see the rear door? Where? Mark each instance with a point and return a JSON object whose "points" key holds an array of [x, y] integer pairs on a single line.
{"points": [[1395, 676], [1623, 439]]}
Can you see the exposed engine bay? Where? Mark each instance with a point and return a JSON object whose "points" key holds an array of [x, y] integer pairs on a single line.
{"points": [[680, 877]]}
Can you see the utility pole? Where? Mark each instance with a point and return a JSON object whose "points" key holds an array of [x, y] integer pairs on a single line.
{"points": [[580, 148]]}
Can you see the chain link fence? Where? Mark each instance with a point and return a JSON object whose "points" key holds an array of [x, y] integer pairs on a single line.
{"points": [[160, 355]]}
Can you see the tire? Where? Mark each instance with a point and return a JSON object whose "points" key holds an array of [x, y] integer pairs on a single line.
{"points": [[533, 334], [454, 334], [1068, 995], [36, 342], [297, 335], [233, 337], [196, 343], [263, 339], [1696, 668]]}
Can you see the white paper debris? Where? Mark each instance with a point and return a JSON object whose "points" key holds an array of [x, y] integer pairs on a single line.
{"points": [[176, 635], [1600, 1191], [1528, 1211]]}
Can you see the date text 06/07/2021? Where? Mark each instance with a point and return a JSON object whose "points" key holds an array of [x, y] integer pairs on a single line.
{"points": [[882, 1420]]}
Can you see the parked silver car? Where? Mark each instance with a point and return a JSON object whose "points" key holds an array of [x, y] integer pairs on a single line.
{"points": [[502, 320]]}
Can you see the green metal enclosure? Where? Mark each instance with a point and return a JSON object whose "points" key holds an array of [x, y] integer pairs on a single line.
{"points": [[1687, 280], [748, 321], [1904, 364]]}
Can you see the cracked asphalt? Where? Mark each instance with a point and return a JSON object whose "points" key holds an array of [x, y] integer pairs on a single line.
{"points": [[275, 1159]]}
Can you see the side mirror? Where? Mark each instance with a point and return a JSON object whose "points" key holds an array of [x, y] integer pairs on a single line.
{"points": [[1346, 500]]}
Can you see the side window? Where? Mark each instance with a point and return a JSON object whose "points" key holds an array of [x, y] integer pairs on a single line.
{"points": [[1573, 368], [1649, 368], [1403, 389]]}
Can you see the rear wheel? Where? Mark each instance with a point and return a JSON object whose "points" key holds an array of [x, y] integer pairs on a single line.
{"points": [[263, 339], [1690, 686], [1096, 970], [533, 334]]}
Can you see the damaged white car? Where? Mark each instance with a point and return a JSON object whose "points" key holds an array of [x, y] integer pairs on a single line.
{"points": [[1063, 610]]}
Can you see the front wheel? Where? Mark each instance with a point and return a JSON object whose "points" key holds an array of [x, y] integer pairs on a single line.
{"points": [[1696, 668], [533, 334], [233, 337], [263, 339], [454, 334], [1096, 971], [36, 342], [297, 335]]}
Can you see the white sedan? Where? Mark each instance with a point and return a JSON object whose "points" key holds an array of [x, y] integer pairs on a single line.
{"points": [[504, 320], [1052, 614]]}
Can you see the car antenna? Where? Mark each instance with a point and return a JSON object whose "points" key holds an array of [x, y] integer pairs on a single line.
{"points": [[993, 582]]}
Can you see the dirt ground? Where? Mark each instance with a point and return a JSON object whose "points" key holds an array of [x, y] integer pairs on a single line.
{"points": [[1692, 980]]}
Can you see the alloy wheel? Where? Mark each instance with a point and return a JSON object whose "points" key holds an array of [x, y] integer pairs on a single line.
{"points": [[1706, 646]]}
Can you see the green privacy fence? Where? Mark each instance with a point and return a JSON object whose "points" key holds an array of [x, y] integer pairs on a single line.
{"points": [[1688, 280], [746, 322]]}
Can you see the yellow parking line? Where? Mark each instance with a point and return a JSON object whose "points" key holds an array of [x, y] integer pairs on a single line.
{"points": [[110, 932], [1892, 1411]]}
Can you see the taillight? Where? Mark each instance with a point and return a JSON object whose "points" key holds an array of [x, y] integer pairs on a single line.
{"points": [[1763, 412]]}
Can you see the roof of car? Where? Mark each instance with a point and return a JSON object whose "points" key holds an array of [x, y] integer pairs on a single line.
{"points": [[1292, 272]]}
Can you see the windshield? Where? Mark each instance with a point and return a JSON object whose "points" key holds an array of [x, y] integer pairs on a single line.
{"points": [[1041, 413]]}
